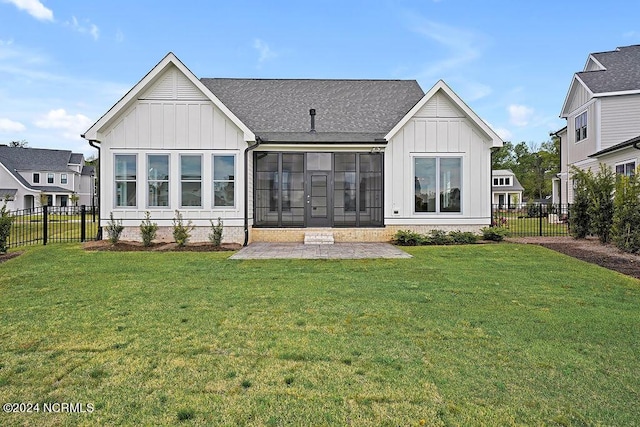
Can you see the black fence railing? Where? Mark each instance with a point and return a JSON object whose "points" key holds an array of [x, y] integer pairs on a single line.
{"points": [[47, 224], [533, 219]]}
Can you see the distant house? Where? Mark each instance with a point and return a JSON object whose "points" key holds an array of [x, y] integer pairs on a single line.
{"points": [[602, 108], [31, 176], [277, 159], [506, 190]]}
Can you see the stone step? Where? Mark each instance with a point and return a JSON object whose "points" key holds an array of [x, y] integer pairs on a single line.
{"points": [[318, 238]]}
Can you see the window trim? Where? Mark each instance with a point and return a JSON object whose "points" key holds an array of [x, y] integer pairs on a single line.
{"points": [[168, 181], [115, 181], [581, 132], [51, 178], [438, 157], [33, 178], [624, 163], [234, 181], [201, 180], [64, 180]]}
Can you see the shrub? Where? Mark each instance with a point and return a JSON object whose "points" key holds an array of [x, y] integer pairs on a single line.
{"points": [[533, 210], [579, 219], [148, 230], [625, 231], [601, 206], [215, 236], [114, 229], [5, 227], [181, 232], [408, 238], [495, 234], [463, 237], [438, 237]]}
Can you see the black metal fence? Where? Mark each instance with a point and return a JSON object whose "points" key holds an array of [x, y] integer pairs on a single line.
{"points": [[47, 224], [533, 219]]}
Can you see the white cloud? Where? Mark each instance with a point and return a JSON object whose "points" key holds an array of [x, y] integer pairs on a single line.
{"points": [[34, 8], [503, 133], [7, 125], [520, 115], [71, 125], [85, 28], [265, 52]]}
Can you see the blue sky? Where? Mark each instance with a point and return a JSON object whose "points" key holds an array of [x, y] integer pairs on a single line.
{"points": [[63, 63]]}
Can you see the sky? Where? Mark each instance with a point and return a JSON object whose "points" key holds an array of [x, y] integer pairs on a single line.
{"points": [[64, 63]]}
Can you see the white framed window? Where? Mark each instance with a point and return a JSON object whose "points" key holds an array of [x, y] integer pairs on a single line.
{"points": [[224, 174], [437, 184], [507, 181], [581, 126], [63, 178], [126, 178], [157, 180], [50, 178], [36, 178], [191, 180], [626, 168]]}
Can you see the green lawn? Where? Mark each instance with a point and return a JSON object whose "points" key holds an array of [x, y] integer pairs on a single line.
{"points": [[499, 334]]}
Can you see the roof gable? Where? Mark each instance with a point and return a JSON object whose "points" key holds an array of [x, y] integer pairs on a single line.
{"points": [[162, 80], [613, 72], [278, 109], [451, 103], [578, 95]]}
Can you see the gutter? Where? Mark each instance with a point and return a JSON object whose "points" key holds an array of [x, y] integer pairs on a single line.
{"points": [[246, 188], [92, 142]]}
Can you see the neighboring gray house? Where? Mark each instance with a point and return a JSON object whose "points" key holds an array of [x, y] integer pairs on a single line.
{"points": [[602, 108], [506, 190], [28, 173], [280, 159]]}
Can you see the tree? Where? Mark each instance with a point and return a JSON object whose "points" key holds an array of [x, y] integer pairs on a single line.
{"points": [[19, 144]]}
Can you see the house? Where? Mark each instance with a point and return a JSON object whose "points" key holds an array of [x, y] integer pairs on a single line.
{"points": [[506, 190], [602, 108], [276, 159], [30, 177]]}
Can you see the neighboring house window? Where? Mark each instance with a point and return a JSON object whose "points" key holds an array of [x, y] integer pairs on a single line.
{"points": [[626, 169], [50, 178], [581, 126], [63, 178], [126, 177], [223, 180], [36, 178], [501, 182], [158, 180], [507, 181], [191, 180], [438, 182]]}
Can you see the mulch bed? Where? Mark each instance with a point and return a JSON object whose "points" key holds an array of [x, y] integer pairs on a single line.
{"points": [[126, 246], [9, 255]]}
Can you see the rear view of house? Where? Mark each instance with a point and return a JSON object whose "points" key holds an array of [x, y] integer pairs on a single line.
{"points": [[276, 159], [30, 177]]}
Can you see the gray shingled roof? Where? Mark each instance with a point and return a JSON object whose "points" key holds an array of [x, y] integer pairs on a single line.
{"points": [[622, 71], [88, 170], [277, 110], [633, 142], [76, 158]]}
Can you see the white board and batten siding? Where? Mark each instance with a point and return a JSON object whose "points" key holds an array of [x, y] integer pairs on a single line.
{"points": [[438, 129], [173, 117]]}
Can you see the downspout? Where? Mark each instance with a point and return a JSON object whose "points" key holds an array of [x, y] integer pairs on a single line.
{"points": [[246, 188], [92, 142]]}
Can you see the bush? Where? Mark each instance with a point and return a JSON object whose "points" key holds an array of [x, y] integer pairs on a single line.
{"points": [[408, 238], [463, 237], [495, 234], [181, 232], [625, 231], [148, 230], [601, 206], [114, 229], [215, 236], [438, 237], [579, 218], [5, 228]]}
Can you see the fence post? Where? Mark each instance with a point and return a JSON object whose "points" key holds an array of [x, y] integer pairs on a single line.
{"points": [[83, 224], [540, 221], [45, 224]]}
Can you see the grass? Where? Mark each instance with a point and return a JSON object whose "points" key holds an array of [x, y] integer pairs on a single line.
{"points": [[474, 335], [520, 225]]}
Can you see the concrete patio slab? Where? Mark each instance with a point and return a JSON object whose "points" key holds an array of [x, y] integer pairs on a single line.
{"points": [[334, 251]]}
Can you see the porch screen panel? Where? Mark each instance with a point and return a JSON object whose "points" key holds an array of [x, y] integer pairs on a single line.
{"points": [[370, 190], [292, 190], [266, 189], [345, 190]]}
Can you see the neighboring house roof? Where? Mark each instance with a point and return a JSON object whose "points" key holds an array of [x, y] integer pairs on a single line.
{"points": [[515, 186], [76, 159], [88, 170], [633, 142], [51, 189], [277, 110]]}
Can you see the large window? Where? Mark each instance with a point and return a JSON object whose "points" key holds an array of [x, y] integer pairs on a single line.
{"points": [[438, 182], [126, 176], [224, 180], [191, 180], [626, 169], [158, 180], [581, 126]]}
